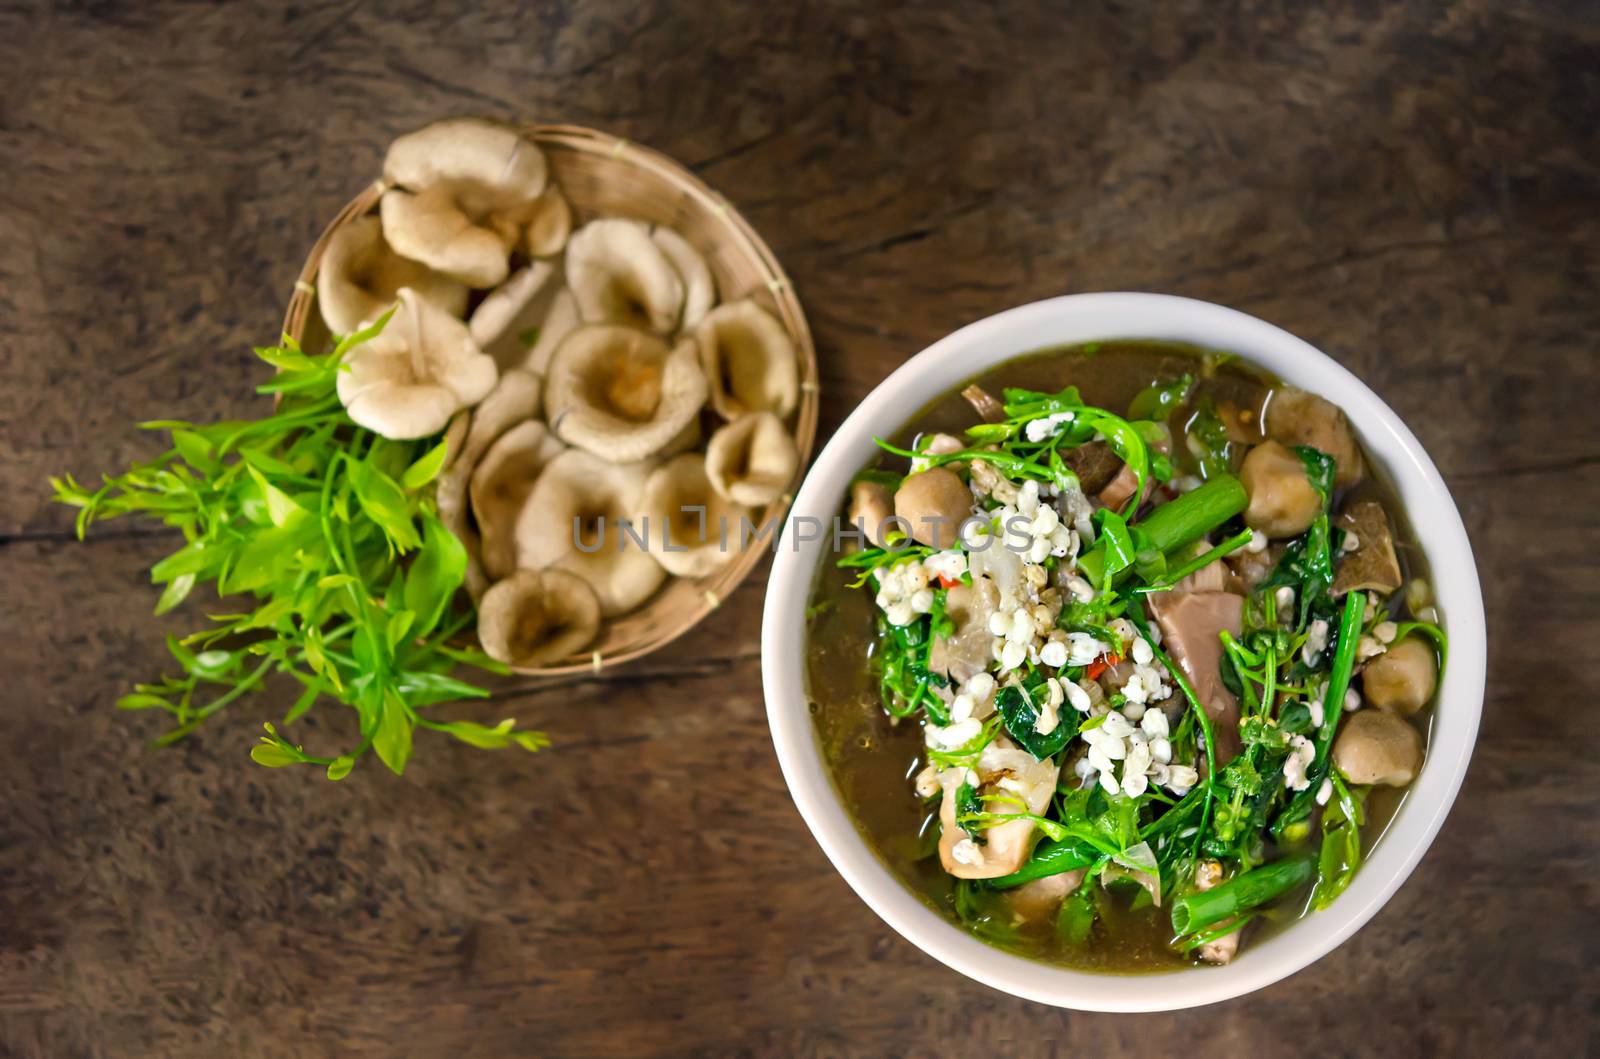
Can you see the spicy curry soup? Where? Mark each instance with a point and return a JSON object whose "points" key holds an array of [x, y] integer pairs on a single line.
{"points": [[872, 759]]}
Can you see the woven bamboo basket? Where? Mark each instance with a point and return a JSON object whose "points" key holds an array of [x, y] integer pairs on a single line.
{"points": [[602, 175]]}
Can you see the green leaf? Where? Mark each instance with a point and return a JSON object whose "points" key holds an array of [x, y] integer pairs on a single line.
{"points": [[142, 701], [290, 360], [1076, 918], [392, 741], [1156, 401], [399, 624], [341, 767], [196, 557], [425, 469], [273, 756], [281, 509], [212, 664], [968, 808], [1120, 551], [1019, 709], [1126, 441], [303, 703], [195, 450], [1320, 469], [425, 689], [435, 574], [356, 338], [176, 591], [384, 503], [269, 614], [261, 460]]}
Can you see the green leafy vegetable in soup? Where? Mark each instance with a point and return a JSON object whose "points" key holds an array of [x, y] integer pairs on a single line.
{"points": [[1121, 722]]}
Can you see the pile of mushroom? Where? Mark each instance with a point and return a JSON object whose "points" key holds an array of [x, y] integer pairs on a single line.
{"points": [[610, 425]]}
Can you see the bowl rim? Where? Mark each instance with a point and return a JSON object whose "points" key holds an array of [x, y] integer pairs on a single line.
{"points": [[713, 588], [1105, 316]]}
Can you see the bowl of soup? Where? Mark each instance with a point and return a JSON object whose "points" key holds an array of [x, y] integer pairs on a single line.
{"points": [[1123, 652]]}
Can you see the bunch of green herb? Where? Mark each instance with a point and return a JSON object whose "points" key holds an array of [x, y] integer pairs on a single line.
{"points": [[331, 534]]}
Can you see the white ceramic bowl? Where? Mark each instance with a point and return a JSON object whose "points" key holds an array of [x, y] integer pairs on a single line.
{"points": [[1081, 318]]}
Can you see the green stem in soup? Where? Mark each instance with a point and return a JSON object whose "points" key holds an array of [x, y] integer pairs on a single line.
{"points": [[1053, 858], [1341, 841], [1177, 523], [1332, 709], [1199, 562], [1195, 911]]}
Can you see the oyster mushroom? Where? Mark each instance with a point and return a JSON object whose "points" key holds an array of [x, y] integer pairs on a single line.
{"points": [[360, 275], [455, 518], [1403, 678], [1283, 502], [749, 359], [752, 459], [691, 527], [871, 508], [535, 617], [422, 368], [558, 322], [500, 485], [462, 192], [578, 518], [1375, 746], [934, 503], [550, 224], [690, 437], [699, 286], [622, 394], [502, 321], [1295, 417], [619, 275], [515, 398]]}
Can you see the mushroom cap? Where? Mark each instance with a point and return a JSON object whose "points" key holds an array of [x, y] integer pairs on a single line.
{"points": [[1403, 678], [360, 275], [559, 321], [699, 286], [1296, 417], [550, 224], [500, 486], [535, 617], [693, 530], [871, 507], [934, 503], [752, 459], [1375, 746], [619, 275], [422, 368], [501, 322], [573, 520], [749, 359], [514, 398], [620, 393], [690, 437], [1283, 502], [463, 190]]}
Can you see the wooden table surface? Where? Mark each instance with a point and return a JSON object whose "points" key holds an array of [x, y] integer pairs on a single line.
{"points": [[1413, 187]]}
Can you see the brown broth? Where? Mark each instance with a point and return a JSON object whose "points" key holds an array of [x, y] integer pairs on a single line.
{"points": [[872, 758]]}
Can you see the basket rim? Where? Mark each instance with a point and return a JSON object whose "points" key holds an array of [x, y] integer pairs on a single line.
{"points": [[716, 587]]}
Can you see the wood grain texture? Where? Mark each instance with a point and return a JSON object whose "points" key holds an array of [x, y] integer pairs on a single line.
{"points": [[1414, 187]]}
